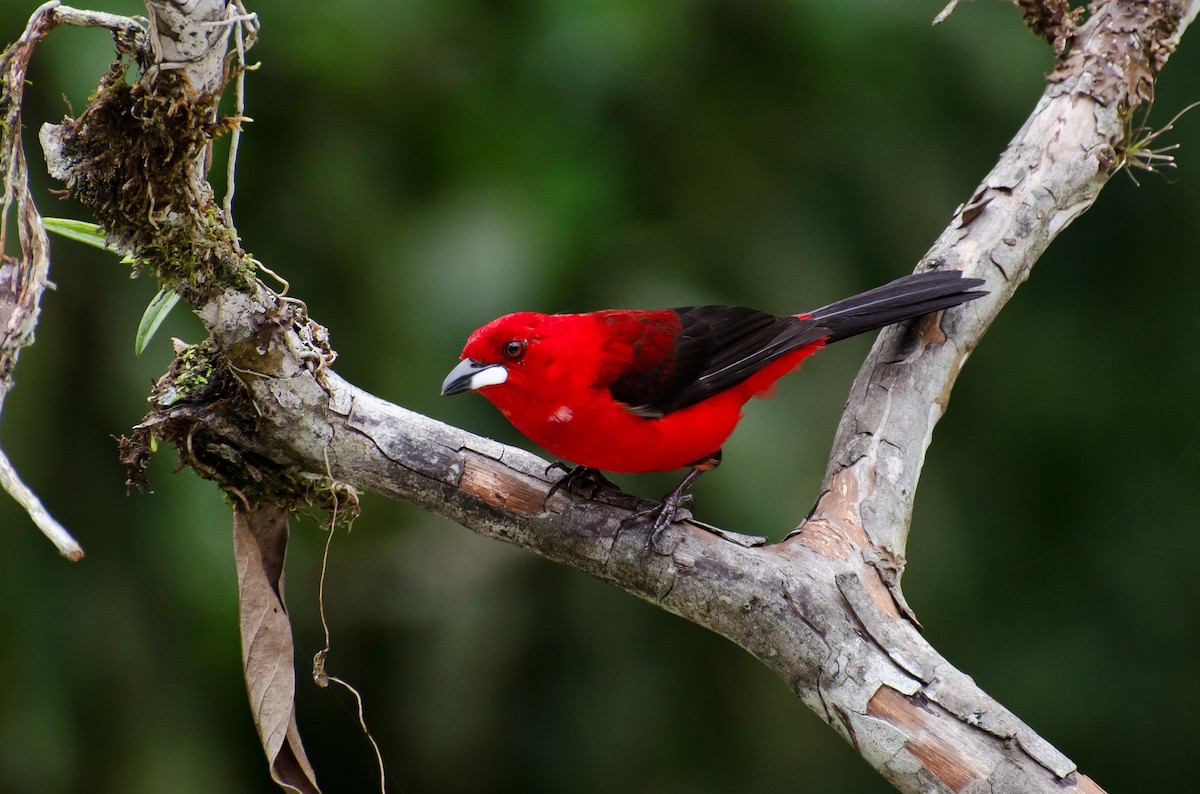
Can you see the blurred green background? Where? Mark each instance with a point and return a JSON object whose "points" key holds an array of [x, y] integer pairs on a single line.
{"points": [[417, 168]]}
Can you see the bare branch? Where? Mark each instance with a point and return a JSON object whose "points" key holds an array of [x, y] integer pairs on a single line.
{"points": [[10, 481], [1049, 175], [190, 35]]}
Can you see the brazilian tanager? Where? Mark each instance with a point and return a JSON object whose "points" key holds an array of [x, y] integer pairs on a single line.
{"points": [[635, 391]]}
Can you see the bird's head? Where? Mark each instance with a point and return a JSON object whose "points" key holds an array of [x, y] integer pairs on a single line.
{"points": [[501, 352]]}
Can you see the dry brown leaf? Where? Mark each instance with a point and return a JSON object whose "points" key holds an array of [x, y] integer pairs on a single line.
{"points": [[268, 656]]}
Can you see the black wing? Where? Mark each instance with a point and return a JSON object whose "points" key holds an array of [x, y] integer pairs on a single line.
{"points": [[718, 347]]}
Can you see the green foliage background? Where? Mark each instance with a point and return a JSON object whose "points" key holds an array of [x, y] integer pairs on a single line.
{"points": [[417, 168]]}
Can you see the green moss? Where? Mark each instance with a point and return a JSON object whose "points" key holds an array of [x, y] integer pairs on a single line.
{"points": [[202, 408], [135, 157], [194, 374]]}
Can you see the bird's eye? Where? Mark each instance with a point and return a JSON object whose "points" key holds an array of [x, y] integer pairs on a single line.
{"points": [[514, 349]]}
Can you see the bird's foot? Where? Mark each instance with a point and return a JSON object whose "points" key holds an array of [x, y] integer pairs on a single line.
{"points": [[661, 515], [575, 478], [667, 512]]}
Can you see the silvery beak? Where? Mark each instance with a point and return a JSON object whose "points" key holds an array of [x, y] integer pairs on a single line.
{"points": [[470, 375]]}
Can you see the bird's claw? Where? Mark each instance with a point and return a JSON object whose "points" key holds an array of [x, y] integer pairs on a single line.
{"points": [[662, 515], [575, 475], [558, 465]]}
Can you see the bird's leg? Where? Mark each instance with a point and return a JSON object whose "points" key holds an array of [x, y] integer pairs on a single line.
{"points": [[671, 504], [575, 475], [665, 513]]}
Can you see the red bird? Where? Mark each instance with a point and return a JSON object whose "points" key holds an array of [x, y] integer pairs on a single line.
{"points": [[639, 391]]}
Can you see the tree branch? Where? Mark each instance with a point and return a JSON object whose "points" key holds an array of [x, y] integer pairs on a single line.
{"points": [[272, 423], [1050, 174]]}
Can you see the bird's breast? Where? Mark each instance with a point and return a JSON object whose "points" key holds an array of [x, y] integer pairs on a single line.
{"points": [[603, 434]]}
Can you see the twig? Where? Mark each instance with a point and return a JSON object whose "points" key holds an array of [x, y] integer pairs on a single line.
{"points": [[245, 31], [58, 535]]}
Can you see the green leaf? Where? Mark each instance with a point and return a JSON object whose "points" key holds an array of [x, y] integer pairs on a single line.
{"points": [[91, 234], [79, 231], [153, 317], [82, 232]]}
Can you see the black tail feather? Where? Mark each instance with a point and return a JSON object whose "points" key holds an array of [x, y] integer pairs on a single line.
{"points": [[896, 301]]}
